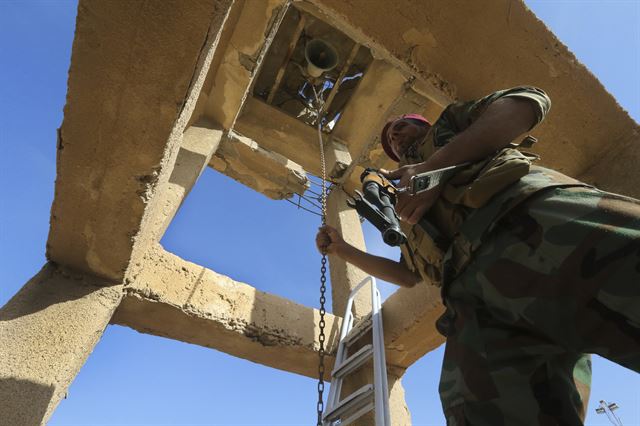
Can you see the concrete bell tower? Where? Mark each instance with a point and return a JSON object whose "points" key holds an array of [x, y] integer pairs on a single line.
{"points": [[158, 91]]}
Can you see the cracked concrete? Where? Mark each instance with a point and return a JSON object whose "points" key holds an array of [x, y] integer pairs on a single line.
{"points": [[170, 297], [267, 172]]}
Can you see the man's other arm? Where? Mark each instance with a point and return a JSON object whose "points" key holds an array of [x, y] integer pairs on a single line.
{"points": [[329, 241]]}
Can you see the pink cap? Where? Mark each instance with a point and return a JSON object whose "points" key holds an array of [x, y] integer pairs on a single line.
{"points": [[385, 141]]}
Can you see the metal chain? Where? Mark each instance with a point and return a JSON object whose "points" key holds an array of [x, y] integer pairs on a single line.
{"points": [[323, 268]]}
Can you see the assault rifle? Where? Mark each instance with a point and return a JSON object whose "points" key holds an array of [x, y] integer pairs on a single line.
{"points": [[376, 203]]}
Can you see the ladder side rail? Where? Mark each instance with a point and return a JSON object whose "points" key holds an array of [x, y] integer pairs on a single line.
{"points": [[336, 387], [383, 362], [381, 386], [380, 379], [333, 399], [336, 384]]}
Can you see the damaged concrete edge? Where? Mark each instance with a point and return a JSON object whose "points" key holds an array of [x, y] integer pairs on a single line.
{"points": [[207, 51], [180, 300], [147, 231], [237, 338], [173, 298], [47, 332], [267, 172]]}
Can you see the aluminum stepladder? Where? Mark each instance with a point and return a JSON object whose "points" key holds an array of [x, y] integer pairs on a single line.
{"points": [[370, 397]]}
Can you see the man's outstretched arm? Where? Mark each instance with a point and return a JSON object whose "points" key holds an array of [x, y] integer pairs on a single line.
{"points": [[329, 241]]}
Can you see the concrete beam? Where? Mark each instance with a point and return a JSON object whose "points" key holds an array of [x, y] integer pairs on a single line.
{"points": [[367, 111], [173, 298], [47, 331], [134, 76], [434, 86], [267, 172], [199, 142], [278, 132], [170, 297], [585, 121], [409, 323], [345, 276], [253, 31], [618, 170], [337, 156]]}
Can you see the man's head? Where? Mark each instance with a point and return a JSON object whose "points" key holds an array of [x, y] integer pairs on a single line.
{"points": [[402, 132]]}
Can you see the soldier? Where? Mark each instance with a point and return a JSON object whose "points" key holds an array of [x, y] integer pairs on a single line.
{"points": [[539, 268]]}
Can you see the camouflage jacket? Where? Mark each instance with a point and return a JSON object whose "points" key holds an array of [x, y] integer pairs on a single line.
{"points": [[476, 197]]}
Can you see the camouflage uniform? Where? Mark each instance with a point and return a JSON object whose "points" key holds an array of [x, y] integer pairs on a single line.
{"points": [[545, 271]]}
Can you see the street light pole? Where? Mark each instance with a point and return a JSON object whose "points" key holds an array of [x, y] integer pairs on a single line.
{"points": [[608, 408]]}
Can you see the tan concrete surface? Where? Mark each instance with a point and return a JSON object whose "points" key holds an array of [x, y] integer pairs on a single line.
{"points": [[155, 219], [229, 26], [170, 297], [253, 32], [400, 414], [278, 132], [132, 67], [47, 331], [585, 120], [199, 142], [267, 172], [143, 72], [409, 323], [345, 276]]}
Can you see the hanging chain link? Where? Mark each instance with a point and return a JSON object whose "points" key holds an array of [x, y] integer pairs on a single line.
{"points": [[323, 268]]}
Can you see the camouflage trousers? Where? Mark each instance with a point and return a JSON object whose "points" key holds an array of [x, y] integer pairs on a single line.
{"points": [[559, 278]]}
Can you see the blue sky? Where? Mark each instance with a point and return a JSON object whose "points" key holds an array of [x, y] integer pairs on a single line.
{"points": [[136, 379]]}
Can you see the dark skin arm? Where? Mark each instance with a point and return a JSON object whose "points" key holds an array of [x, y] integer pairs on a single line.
{"points": [[329, 241], [501, 123]]}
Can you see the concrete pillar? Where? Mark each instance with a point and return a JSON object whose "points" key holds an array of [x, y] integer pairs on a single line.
{"points": [[47, 331], [345, 276], [199, 143], [135, 75], [265, 171], [400, 415]]}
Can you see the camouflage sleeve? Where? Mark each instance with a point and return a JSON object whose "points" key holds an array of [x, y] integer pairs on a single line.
{"points": [[537, 97], [460, 115]]}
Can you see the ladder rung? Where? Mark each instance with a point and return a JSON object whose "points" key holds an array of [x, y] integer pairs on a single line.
{"points": [[352, 404], [353, 362], [358, 331], [370, 406]]}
